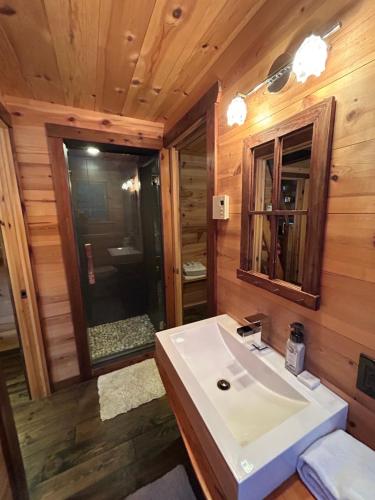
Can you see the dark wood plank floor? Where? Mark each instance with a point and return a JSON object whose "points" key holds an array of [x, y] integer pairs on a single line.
{"points": [[11, 363], [69, 453]]}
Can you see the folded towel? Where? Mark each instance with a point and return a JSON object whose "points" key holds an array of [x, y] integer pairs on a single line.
{"points": [[337, 466]]}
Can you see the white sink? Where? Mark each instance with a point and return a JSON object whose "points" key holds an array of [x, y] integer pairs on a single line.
{"points": [[264, 421]]}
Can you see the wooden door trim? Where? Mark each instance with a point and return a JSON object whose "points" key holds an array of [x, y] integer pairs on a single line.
{"points": [[176, 232], [23, 286], [168, 240], [211, 158], [204, 111], [194, 114], [9, 446], [69, 250]]}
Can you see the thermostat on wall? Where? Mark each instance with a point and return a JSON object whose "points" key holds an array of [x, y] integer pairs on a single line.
{"points": [[220, 207]]}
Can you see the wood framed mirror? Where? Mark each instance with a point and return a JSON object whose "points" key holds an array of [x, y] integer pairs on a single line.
{"points": [[284, 200]]}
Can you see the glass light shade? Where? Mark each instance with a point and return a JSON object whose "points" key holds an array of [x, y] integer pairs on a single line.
{"points": [[310, 58], [92, 151], [128, 185], [237, 111]]}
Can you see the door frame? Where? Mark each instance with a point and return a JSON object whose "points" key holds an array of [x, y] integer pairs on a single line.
{"points": [[11, 464], [56, 134], [204, 111], [17, 251]]}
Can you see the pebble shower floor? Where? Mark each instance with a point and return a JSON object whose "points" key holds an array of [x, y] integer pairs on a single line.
{"points": [[113, 338]]}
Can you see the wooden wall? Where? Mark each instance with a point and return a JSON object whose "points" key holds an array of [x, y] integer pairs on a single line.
{"points": [[345, 324], [29, 118]]}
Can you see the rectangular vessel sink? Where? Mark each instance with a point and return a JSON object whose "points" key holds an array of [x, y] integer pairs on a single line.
{"points": [[255, 418]]}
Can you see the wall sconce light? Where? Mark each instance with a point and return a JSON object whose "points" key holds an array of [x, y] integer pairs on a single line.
{"points": [[310, 59], [132, 184], [237, 111]]}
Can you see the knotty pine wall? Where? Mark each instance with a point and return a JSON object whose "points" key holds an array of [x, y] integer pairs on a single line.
{"points": [[29, 118], [345, 324]]}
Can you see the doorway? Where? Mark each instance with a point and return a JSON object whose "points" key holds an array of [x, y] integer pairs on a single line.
{"points": [[193, 224], [11, 355], [192, 156], [116, 216]]}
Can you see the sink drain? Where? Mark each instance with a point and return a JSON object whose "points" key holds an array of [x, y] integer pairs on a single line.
{"points": [[223, 384]]}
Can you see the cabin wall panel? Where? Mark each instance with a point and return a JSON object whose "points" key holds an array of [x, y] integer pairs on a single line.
{"points": [[29, 119], [344, 326]]}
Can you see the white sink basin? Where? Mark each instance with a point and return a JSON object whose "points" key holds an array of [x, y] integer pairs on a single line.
{"points": [[264, 421]]}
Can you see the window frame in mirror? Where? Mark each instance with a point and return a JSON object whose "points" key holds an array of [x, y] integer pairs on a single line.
{"points": [[321, 118]]}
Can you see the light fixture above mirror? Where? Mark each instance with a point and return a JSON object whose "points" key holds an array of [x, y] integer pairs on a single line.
{"points": [[310, 59]]}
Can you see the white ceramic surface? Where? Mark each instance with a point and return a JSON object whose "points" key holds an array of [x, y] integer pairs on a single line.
{"points": [[266, 419], [123, 251]]}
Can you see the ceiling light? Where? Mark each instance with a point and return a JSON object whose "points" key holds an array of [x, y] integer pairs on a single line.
{"points": [[237, 111], [310, 58], [92, 151]]}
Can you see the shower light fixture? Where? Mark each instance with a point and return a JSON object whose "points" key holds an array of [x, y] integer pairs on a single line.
{"points": [[92, 151], [310, 59]]}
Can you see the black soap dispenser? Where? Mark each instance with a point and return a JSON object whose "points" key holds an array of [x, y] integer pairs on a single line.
{"points": [[295, 349]]}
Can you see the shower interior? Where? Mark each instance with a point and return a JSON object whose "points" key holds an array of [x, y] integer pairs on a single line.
{"points": [[116, 214]]}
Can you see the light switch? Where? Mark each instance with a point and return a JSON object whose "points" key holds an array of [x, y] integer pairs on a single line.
{"points": [[220, 207]]}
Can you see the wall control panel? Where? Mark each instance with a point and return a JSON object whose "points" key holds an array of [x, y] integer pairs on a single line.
{"points": [[220, 207]]}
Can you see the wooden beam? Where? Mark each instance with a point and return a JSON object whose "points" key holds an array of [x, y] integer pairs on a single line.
{"points": [[198, 111], [129, 139]]}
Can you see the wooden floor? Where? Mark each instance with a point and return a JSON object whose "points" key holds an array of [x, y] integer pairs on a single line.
{"points": [[69, 453], [12, 367]]}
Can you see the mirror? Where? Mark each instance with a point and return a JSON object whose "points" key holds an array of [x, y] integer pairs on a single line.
{"points": [[284, 195]]}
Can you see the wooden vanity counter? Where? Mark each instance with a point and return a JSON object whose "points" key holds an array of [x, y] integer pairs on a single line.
{"points": [[214, 476]]}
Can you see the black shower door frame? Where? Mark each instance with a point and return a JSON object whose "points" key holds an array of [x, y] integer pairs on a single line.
{"points": [[56, 135]]}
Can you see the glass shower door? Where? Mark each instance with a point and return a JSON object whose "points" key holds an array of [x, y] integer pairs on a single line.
{"points": [[117, 219]]}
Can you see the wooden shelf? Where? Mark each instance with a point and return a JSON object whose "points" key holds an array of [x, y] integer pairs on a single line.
{"points": [[194, 280], [195, 304]]}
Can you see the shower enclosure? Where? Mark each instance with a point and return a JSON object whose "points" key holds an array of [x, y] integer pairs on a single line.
{"points": [[115, 199]]}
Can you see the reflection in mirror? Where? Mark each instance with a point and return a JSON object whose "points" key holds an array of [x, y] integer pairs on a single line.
{"points": [[295, 169], [261, 243], [290, 251], [263, 176]]}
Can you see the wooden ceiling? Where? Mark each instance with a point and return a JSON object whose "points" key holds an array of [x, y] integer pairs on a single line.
{"points": [[139, 58]]}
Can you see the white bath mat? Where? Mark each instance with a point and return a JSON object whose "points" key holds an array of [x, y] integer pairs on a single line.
{"points": [[128, 388], [173, 485]]}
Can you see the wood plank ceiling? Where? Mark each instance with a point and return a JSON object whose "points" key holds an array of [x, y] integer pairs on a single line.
{"points": [[139, 58]]}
